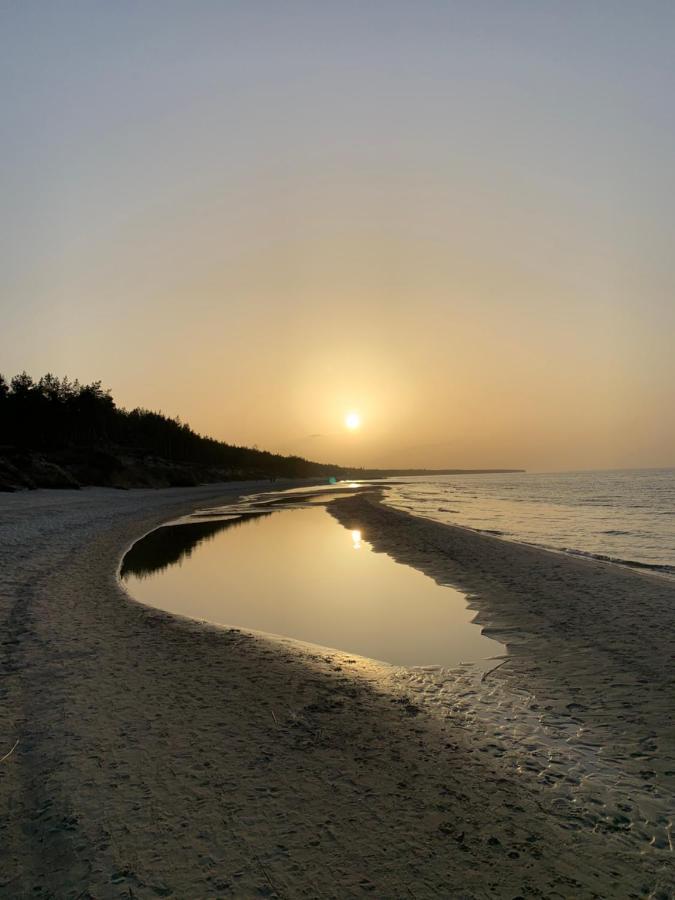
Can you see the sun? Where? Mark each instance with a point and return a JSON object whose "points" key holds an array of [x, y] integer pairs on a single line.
{"points": [[353, 421]]}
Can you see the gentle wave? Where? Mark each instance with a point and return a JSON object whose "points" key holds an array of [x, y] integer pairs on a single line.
{"points": [[622, 517], [634, 564]]}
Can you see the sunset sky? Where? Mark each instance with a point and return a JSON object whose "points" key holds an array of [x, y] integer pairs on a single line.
{"points": [[454, 218]]}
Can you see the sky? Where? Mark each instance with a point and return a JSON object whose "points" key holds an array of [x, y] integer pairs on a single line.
{"points": [[454, 218]]}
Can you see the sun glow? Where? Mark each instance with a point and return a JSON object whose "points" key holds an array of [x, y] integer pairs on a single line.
{"points": [[353, 421]]}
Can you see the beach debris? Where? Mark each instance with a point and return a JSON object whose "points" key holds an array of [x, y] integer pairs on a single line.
{"points": [[493, 669], [7, 755]]}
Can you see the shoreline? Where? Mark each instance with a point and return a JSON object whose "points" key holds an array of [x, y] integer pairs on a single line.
{"points": [[164, 757], [600, 515], [595, 639], [657, 570]]}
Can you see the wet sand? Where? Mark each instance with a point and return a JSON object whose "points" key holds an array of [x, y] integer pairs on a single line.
{"points": [[158, 756]]}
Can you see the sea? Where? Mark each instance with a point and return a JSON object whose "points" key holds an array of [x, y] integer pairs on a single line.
{"points": [[622, 516]]}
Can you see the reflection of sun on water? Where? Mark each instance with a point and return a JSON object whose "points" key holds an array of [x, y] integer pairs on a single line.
{"points": [[356, 539]]}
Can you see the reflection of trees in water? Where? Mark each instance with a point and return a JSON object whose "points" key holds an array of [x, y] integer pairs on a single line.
{"points": [[171, 544]]}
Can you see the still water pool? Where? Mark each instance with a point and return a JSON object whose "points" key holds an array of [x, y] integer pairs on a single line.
{"points": [[300, 574]]}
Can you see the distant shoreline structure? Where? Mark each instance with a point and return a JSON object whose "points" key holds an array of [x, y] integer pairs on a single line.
{"points": [[410, 473]]}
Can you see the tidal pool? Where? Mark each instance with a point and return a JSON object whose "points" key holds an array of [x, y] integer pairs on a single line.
{"points": [[300, 574]]}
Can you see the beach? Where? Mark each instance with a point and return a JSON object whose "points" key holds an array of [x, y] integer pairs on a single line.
{"points": [[160, 756]]}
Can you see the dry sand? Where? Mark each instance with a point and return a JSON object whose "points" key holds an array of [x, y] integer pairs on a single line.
{"points": [[163, 757]]}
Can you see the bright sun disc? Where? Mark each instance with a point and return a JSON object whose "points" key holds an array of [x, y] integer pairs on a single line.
{"points": [[352, 420]]}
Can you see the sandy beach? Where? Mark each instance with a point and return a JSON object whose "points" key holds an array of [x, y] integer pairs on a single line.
{"points": [[163, 757]]}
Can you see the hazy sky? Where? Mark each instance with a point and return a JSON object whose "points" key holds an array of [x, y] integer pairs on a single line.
{"points": [[457, 218]]}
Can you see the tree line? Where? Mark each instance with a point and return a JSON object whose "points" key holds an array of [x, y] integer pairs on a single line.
{"points": [[54, 414]]}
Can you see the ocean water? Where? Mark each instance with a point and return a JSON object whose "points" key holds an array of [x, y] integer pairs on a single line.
{"points": [[623, 516]]}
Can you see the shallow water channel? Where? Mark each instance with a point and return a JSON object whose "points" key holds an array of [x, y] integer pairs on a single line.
{"points": [[298, 573]]}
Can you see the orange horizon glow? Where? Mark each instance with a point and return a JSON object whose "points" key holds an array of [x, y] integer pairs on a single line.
{"points": [[453, 228]]}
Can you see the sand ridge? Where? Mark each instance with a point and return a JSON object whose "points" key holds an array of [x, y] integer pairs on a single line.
{"points": [[585, 701], [160, 756]]}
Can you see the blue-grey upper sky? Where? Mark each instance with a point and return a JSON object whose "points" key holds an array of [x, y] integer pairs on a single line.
{"points": [[455, 218]]}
